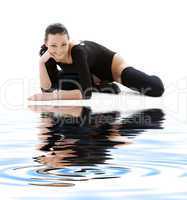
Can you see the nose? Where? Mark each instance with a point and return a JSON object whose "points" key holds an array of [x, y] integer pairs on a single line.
{"points": [[58, 53]]}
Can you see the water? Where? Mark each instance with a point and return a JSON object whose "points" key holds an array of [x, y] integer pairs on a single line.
{"points": [[73, 152]]}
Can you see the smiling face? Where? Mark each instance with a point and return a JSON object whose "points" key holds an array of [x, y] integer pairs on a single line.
{"points": [[58, 45]]}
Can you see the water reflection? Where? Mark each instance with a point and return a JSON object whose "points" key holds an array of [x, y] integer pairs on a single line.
{"points": [[76, 143]]}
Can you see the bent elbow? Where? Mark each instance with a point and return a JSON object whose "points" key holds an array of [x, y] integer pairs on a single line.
{"points": [[47, 90]]}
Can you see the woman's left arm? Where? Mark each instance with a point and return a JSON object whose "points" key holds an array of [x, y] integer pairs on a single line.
{"points": [[57, 95], [80, 59], [84, 92]]}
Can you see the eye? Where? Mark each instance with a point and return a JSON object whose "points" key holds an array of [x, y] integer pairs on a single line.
{"points": [[53, 45]]}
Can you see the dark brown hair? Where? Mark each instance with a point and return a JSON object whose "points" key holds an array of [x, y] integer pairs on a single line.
{"points": [[53, 29]]}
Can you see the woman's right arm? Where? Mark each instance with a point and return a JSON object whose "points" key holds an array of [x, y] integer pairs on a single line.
{"points": [[45, 82], [45, 77]]}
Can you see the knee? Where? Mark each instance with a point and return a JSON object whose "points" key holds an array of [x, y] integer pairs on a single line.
{"points": [[156, 87]]}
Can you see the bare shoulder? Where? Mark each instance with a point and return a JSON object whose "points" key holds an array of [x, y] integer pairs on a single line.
{"points": [[74, 42]]}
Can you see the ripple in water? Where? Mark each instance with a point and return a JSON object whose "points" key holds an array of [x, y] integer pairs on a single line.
{"points": [[46, 176]]}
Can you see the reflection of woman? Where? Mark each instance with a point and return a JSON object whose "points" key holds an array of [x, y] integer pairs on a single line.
{"points": [[84, 66], [86, 139]]}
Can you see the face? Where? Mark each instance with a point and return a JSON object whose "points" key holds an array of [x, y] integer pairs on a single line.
{"points": [[58, 45]]}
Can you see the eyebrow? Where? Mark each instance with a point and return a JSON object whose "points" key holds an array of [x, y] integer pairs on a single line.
{"points": [[56, 43]]}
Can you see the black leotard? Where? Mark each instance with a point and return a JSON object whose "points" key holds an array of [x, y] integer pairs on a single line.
{"points": [[88, 58]]}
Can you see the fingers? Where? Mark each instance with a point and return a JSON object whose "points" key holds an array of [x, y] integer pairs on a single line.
{"points": [[52, 55], [31, 98], [49, 53], [34, 97]]}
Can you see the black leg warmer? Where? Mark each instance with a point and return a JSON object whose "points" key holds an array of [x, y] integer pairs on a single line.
{"points": [[141, 82]]}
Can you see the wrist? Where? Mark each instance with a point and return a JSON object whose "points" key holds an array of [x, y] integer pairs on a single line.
{"points": [[41, 62]]}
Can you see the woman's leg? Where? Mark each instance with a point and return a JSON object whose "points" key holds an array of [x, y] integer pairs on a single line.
{"points": [[137, 80], [149, 85]]}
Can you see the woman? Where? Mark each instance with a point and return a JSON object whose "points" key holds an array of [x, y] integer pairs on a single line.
{"points": [[72, 70]]}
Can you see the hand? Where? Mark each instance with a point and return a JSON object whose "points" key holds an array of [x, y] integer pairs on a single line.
{"points": [[45, 57], [41, 96]]}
